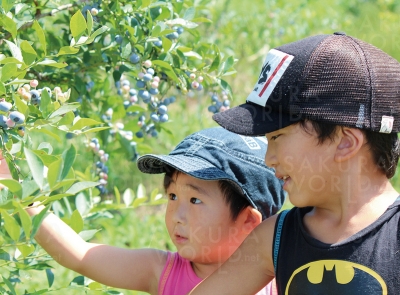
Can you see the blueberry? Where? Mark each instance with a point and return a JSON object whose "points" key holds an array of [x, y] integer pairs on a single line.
{"points": [[95, 140], [162, 110], [140, 84], [179, 30], [212, 109], [125, 83], [150, 71], [139, 134], [154, 117], [214, 97], [34, 94], [134, 58], [69, 135], [127, 104], [142, 118], [104, 169], [166, 101], [99, 165], [164, 118], [118, 39], [17, 117], [158, 43], [118, 84], [5, 106], [153, 91], [119, 92], [36, 101], [154, 133], [218, 105], [172, 99], [226, 103], [3, 120], [172, 36], [132, 92], [147, 77], [144, 94]]}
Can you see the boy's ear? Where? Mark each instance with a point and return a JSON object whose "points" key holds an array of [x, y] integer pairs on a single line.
{"points": [[350, 142], [250, 218]]}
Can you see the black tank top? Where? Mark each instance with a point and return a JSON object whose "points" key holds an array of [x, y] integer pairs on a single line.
{"points": [[367, 263]]}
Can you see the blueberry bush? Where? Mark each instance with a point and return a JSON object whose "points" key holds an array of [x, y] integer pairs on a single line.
{"points": [[89, 80]]}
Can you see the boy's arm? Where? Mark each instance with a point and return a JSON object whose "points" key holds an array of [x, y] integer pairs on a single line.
{"points": [[248, 270], [117, 267]]}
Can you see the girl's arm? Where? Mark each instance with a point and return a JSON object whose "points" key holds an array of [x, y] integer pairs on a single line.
{"points": [[121, 268], [248, 270]]}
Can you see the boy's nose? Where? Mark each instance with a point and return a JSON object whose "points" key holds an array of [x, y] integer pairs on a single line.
{"points": [[179, 214], [270, 159]]}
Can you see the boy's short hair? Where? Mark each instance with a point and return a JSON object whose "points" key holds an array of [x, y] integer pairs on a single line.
{"points": [[217, 154], [234, 198], [334, 79], [384, 147]]}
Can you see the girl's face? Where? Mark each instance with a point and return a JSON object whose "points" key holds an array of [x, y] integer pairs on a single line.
{"points": [[199, 222]]}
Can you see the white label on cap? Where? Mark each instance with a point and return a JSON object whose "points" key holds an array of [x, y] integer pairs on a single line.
{"points": [[274, 66], [251, 142], [386, 124]]}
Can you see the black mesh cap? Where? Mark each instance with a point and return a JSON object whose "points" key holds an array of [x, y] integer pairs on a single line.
{"points": [[335, 79]]}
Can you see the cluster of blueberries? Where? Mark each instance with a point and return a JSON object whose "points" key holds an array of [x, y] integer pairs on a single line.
{"points": [[32, 95], [10, 119], [219, 104], [101, 169]]}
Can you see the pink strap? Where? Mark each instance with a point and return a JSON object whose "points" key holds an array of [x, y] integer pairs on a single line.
{"points": [[166, 272]]}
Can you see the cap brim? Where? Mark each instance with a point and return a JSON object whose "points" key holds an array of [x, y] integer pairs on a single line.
{"points": [[252, 120], [195, 167]]}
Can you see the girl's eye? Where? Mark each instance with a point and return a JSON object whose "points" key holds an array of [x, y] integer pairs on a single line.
{"points": [[195, 201], [172, 197]]}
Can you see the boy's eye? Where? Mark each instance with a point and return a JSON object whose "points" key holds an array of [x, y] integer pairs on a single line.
{"points": [[275, 137], [172, 197], [195, 201]]}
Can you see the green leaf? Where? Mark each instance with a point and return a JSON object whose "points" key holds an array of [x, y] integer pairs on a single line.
{"points": [[13, 186], [11, 225], [48, 132], [96, 33], [80, 186], [7, 5], [25, 221], [89, 20], [26, 249], [166, 44], [84, 122], [190, 13], [65, 109], [215, 64], [38, 219], [9, 285], [77, 25], [76, 222], [54, 173], [2, 88], [96, 129], [58, 196], [46, 105], [28, 188], [67, 50], [50, 277], [11, 60], [8, 24], [41, 36], [135, 108], [8, 71], [181, 22], [52, 63], [167, 69], [68, 119], [68, 157], [88, 234], [117, 195], [36, 166], [128, 197], [28, 53], [225, 86], [21, 106], [227, 65]]}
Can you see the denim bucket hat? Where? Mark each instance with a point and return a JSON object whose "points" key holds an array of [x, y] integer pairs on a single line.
{"points": [[218, 154]]}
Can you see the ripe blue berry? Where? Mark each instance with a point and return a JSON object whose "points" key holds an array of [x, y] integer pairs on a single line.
{"points": [[226, 103], [172, 36], [17, 117], [153, 91], [214, 97], [69, 135], [147, 77], [118, 39], [150, 71], [132, 92], [158, 43], [140, 84], [3, 120], [164, 118], [34, 94], [139, 134], [134, 58], [154, 117], [125, 83], [212, 109], [144, 94], [162, 110], [179, 30], [5, 106], [154, 133]]}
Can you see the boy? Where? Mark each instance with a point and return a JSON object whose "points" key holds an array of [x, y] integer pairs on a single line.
{"points": [[330, 109], [218, 190]]}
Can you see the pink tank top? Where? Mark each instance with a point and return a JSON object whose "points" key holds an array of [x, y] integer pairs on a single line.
{"points": [[178, 278]]}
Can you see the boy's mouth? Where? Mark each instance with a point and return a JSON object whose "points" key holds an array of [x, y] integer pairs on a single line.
{"points": [[180, 239]]}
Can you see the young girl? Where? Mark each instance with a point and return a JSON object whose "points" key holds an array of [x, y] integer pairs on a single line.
{"points": [[218, 190]]}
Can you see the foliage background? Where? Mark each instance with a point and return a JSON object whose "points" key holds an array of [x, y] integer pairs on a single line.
{"points": [[246, 30]]}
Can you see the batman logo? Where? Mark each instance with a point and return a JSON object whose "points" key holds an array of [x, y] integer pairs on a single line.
{"points": [[335, 277]]}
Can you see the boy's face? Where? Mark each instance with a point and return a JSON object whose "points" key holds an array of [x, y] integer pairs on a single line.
{"points": [[305, 166], [198, 220]]}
